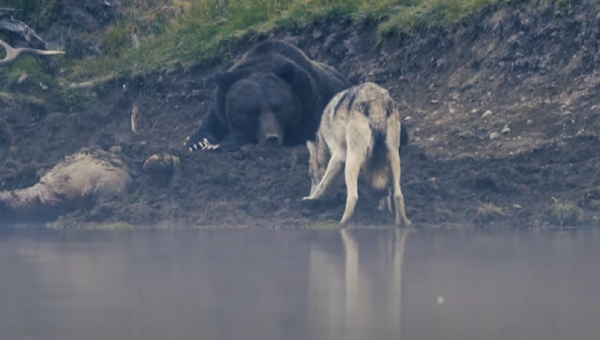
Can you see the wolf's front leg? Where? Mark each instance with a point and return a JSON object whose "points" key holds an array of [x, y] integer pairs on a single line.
{"points": [[352, 171], [327, 184]]}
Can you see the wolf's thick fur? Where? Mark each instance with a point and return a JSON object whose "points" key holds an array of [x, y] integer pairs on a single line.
{"points": [[361, 128]]}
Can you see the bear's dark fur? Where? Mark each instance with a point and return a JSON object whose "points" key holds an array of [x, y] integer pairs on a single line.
{"points": [[274, 95]]}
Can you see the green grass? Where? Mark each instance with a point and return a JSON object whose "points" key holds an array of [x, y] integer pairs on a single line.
{"points": [[488, 211], [565, 213], [34, 13], [207, 30], [148, 38], [432, 13], [26, 81]]}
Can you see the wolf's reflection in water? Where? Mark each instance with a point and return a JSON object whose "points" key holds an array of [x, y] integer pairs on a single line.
{"points": [[271, 285], [346, 300]]}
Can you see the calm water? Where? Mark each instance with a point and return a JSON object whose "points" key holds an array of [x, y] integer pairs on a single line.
{"points": [[280, 285]]}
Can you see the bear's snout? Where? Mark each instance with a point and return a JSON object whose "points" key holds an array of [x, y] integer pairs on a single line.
{"points": [[270, 132], [273, 140]]}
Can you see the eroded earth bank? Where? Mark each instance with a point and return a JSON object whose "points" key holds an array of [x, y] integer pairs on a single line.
{"points": [[503, 115]]}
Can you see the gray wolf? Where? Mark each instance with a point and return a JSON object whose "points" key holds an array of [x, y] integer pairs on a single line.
{"points": [[360, 133]]}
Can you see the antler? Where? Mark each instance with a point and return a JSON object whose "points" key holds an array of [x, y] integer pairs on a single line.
{"points": [[13, 53]]}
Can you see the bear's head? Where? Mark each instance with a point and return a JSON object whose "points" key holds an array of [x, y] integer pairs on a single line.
{"points": [[261, 105]]}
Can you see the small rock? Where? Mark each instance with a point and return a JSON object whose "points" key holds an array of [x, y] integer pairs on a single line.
{"points": [[163, 169], [487, 113], [466, 134], [116, 149], [433, 101], [505, 129], [529, 121], [494, 135], [407, 118], [22, 78]]}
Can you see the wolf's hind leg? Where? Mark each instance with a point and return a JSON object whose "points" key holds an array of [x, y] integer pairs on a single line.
{"points": [[398, 197], [386, 202]]}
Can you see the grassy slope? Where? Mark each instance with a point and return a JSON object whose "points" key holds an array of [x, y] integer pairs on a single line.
{"points": [[196, 32], [207, 28]]}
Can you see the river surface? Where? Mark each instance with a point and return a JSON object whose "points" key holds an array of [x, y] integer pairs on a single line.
{"points": [[263, 285]]}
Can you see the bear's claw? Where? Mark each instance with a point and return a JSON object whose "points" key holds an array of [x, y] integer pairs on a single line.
{"points": [[206, 145]]}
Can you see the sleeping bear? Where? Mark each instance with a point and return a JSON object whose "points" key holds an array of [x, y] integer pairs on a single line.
{"points": [[274, 95]]}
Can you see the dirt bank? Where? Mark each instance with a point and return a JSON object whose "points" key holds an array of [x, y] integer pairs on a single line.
{"points": [[503, 114]]}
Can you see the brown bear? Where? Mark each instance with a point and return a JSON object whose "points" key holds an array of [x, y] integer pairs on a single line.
{"points": [[275, 95]]}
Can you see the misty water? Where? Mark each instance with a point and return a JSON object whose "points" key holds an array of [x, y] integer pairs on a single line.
{"points": [[237, 284]]}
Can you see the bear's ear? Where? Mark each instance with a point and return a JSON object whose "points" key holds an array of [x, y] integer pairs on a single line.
{"points": [[224, 79], [286, 71]]}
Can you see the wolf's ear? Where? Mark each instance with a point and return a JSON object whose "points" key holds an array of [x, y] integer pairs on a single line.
{"points": [[312, 148], [391, 108], [224, 79]]}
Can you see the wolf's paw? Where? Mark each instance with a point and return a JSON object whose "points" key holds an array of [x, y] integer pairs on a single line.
{"points": [[309, 203]]}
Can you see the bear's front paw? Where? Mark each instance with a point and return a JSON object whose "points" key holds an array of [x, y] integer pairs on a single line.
{"points": [[206, 145], [201, 140]]}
